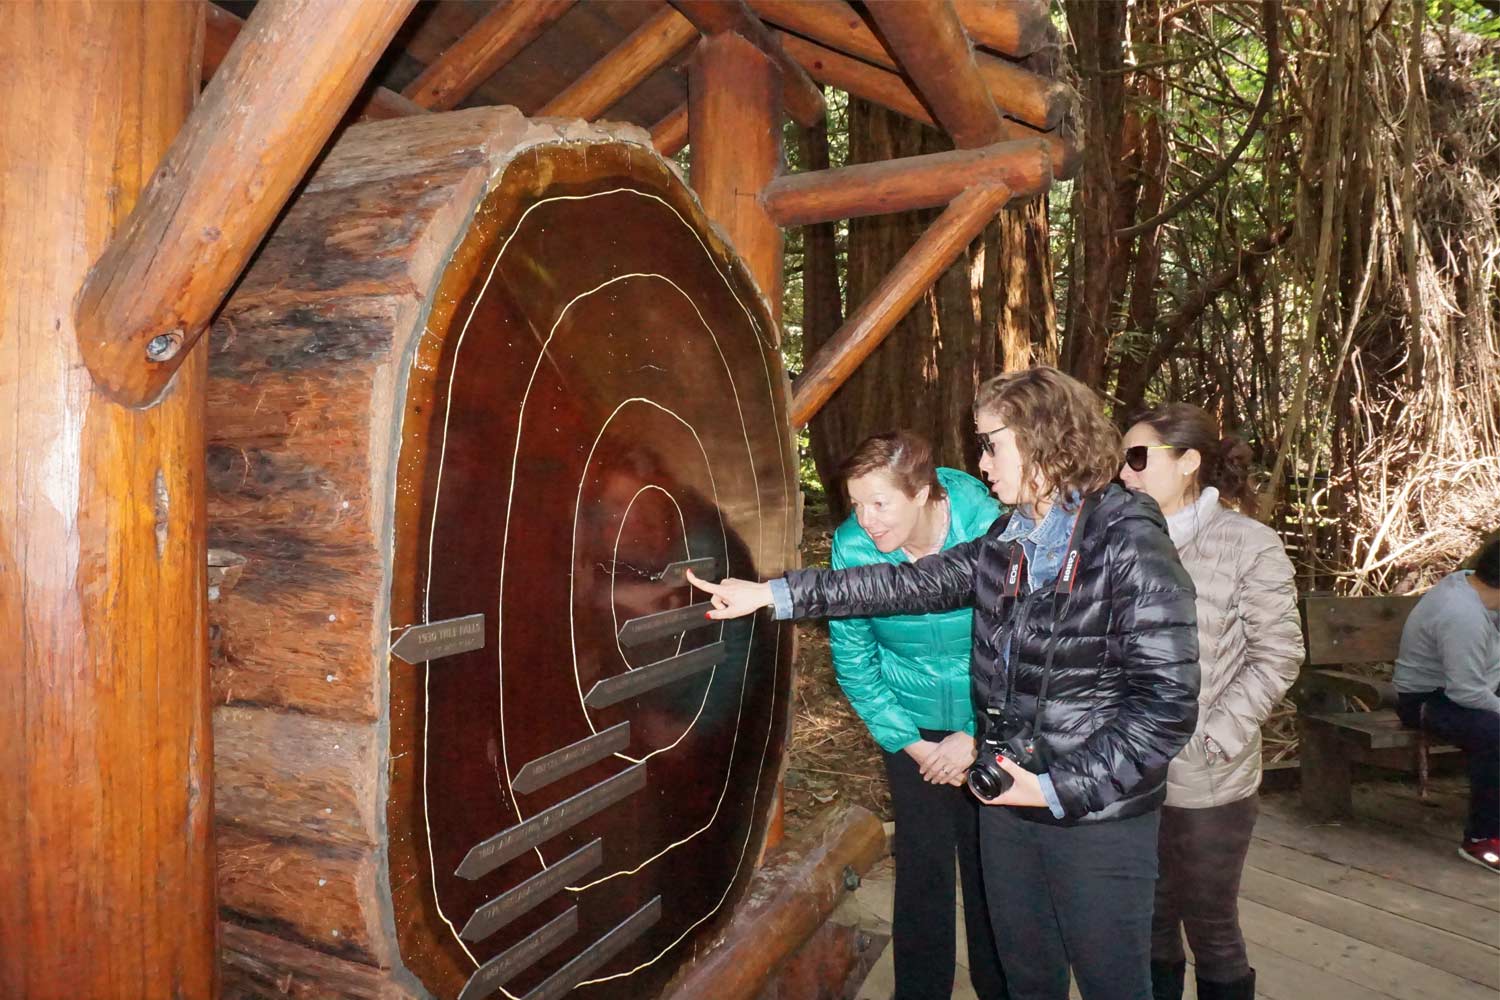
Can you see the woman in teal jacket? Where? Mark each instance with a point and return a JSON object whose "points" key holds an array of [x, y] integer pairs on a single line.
{"points": [[907, 677]]}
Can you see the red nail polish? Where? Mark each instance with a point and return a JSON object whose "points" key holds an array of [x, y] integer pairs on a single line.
{"points": [[708, 614]]}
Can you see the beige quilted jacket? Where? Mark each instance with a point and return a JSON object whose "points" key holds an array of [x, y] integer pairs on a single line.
{"points": [[1250, 644]]}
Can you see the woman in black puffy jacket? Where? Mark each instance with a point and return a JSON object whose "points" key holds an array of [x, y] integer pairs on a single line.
{"points": [[1085, 674]]}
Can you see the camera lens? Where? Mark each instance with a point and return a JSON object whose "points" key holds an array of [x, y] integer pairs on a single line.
{"points": [[987, 780]]}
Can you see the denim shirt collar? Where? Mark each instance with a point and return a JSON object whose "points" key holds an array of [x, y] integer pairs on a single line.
{"points": [[1045, 543]]}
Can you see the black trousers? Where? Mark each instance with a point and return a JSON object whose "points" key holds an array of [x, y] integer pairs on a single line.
{"points": [[1477, 733], [933, 822], [1076, 896], [1202, 854]]}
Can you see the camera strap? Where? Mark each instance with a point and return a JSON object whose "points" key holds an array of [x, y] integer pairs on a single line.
{"points": [[1062, 595]]}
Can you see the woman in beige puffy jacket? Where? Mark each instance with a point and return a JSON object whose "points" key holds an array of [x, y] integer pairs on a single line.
{"points": [[1250, 644]]}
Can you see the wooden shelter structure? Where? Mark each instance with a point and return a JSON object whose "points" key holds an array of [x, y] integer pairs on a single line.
{"points": [[165, 166]]}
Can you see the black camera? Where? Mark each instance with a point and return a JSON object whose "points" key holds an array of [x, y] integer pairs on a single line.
{"points": [[1006, 735]]}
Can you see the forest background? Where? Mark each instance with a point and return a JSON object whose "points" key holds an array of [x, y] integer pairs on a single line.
{"points": [[1288, 213]]}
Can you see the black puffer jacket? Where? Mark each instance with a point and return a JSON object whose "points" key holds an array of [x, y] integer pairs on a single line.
{"points": [[1123, 698]]}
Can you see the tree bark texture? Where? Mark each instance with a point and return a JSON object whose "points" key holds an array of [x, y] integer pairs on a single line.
{"points": [[984, 314]]}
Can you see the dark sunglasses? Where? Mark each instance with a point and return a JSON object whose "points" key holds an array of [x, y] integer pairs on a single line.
{"points": [[986, 446], [1136, 457]]}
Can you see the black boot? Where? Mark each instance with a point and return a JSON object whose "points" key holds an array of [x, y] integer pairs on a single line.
{"points": [[1241, 989], [1167, 979]]}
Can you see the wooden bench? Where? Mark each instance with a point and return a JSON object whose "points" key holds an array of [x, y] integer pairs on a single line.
{"points": [[1345, 718]]}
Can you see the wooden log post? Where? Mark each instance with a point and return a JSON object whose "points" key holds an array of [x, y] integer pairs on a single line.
{"points": [[285, 84], [1018, 92], [1024, 166], [794, 891], [105, 766], [646, 50], [495, 38], [897, 292], [734, 124], [803, 98]]}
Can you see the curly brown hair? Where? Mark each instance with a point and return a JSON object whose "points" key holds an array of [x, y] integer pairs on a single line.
{"points": [[1060, 428]]}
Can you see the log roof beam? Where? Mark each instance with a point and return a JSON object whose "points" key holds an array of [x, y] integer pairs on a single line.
{"points": [[480, 52], [931, 45], [286, 82], [1019, 93], [670, 134], [889, 90], [932, 254], [643, 52], [802, 97], [1015, 27], [1024, 166]]}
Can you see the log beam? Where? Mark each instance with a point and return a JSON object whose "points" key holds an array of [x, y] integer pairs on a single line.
{"points": [[490, 44], [1016, 28], [789, 898], [930, 44], [897, 292], [802, 97], [671, 133], [734, 125], [887, 89], [1023, 165], [223, 27], [287, 81], [642, 53], [1026, 96], [106, 852]]}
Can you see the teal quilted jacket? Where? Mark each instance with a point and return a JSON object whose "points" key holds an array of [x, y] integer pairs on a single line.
{"points": [[905, 672]]}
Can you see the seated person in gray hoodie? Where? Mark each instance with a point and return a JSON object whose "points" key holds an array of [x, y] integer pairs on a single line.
{"points": [[1447, 675]]}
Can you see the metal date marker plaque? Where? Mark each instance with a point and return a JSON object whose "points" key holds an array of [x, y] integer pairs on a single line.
{"points": [[591, 958], [560, 763], [653, 675], [504, 908], [434, 640], [488, 855], [706, 568], [516, 959], [665, 623]]}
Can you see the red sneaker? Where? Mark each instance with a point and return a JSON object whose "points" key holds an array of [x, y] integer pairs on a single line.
{"points": [[1482, 852]]}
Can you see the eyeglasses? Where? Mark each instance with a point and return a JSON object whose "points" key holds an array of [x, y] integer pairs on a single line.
{"points": [[1137, 456], [986, 446]]}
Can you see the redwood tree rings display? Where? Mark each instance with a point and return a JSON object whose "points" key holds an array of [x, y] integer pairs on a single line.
{"points": [[496, 367]]}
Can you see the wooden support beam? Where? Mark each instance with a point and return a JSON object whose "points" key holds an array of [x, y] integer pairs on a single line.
{"points": [[803, 98], [1014, 27], [790, 896], [1023, 165], [889, 90], [897, 292], [493, 41], [671, 133], [734, 125], [265, 115], [106, 847], [646, 50], [1026, 96], [222, 28], [930, 44]]}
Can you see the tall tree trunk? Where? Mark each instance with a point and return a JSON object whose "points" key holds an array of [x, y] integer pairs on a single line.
{"points": [[993, 306], [1098, 28], [822, 304]]}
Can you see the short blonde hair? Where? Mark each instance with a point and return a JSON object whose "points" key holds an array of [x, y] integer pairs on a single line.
{"points": [[1060, 428]]}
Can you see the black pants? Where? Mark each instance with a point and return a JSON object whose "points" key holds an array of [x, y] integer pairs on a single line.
{"points": [[932, 823], [1076, 896], [1202, 854], [1477, 733]]}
